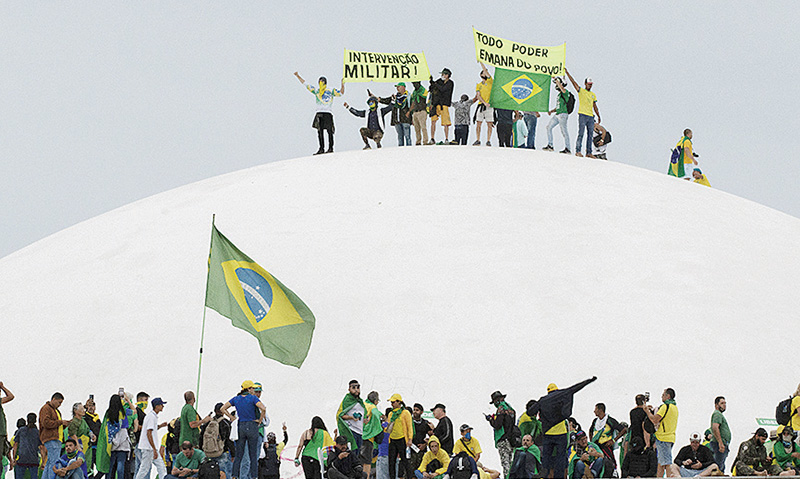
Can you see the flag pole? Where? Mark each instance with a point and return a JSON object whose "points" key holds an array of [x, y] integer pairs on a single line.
{"points": [[203, 329]]}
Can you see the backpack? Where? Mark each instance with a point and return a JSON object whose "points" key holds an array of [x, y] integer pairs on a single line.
{"points": [[173, 436], [209, 469], [461, 466], [379, 437], [784, 412], [270, 464], [515, 436], [570, 102], [213, 445]]}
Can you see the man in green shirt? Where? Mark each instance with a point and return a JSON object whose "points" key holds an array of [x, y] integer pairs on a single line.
{"points": [[187, 463], [720, 443], [561, 117], [190, 421]]}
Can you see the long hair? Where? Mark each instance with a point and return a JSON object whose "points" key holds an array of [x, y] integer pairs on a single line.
{"points": [[114, 408], [317, 423]]}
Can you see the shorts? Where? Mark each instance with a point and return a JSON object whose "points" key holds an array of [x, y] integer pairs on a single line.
{"points": [[365, 452], [323, 120], [664, 452], [444, 112], [486, 115]]}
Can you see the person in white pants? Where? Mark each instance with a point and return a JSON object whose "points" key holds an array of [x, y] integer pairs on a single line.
{"points": [[149, 443]]}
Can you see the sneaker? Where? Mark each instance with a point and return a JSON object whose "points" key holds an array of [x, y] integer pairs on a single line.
{"points": [[320, 151], [330, 150], [477, 143], [432, 142], [441, 143], [565, 151], [547, 148], [488, 143], [367, 147], [578, 153], [454, 142], [419, 143]]}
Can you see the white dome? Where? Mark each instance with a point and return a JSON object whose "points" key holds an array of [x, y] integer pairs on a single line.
{"points": [[441, 273]]}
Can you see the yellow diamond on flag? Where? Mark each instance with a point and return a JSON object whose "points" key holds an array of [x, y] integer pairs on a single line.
{"points": [[522, 89]]}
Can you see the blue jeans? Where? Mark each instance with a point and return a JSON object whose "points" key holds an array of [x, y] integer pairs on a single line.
{"points": [[403, 134], [560, 119], [580, 467], [116, 468], [249, 441], [664, 452], [719, 457], [585, 124], [53, 454], [530, 124], [73, 474], [558, 464], [225, 464], [19, 472]]}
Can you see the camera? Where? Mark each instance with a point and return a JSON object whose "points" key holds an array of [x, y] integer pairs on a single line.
{"points": [[647, 397]]}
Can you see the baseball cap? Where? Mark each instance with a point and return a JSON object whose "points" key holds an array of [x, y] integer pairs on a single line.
{"points": [[157, 402], [695, 436], [402, 84], [698, 170], [418, 406], [257, 386], [218, 406], [439, 406], [248, 384], [588, 80], [396, 397], [761, 432], [445, 71], [580, 434], [465, 427], [552, 387]]}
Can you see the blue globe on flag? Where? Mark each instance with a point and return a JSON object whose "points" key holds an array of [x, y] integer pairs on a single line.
{"points": [[522, 88], [257, 292]]}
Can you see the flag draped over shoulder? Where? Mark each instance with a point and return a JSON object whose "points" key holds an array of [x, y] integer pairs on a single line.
{"points": [[516, 90], [344, 429], [256, 302]]}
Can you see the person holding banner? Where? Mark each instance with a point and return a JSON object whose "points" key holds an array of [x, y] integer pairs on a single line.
{"points": [[323, 120], [587, 101], [484, 112], [441, 97], [419, 112], [401, 113]]}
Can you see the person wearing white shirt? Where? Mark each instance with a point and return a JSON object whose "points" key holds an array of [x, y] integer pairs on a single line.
{"points": [[149, 443]]}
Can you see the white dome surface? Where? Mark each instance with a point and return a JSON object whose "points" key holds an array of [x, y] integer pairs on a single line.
{"points": [[441, 273]]}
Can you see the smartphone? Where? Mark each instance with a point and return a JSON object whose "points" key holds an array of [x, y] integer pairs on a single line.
{"points": [[121, 391], [91, 396]]}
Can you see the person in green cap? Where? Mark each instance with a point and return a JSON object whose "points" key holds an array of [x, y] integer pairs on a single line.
{"points": [[401, 114]]}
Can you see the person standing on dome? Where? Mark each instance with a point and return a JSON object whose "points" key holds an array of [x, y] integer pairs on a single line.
{"points": [[323, 119], [484, 112], [587, 108], [441, 97]]}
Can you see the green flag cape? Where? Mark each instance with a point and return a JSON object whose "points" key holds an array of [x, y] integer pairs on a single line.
{"points": [[574, 457], [514, 90], [533, 449], [256, 302], [344, 429]]}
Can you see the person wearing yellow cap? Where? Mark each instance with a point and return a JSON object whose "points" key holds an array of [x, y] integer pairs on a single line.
{"points": [[400, 436], [553, 409], [251, 413]]}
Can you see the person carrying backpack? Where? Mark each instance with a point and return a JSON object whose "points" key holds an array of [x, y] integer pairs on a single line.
{"points": [[682, 155], [214, 440], [462, 466], [566, 102], [269, 466]]}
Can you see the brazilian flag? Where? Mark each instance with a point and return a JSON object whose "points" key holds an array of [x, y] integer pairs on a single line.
{"points": [[514, 90], [255, 301]]}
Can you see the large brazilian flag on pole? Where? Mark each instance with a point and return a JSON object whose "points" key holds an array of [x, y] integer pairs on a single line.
{"points": [[515, 90], [255, 301]]}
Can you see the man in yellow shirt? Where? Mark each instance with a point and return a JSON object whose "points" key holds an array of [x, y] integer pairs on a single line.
{"points": [[468, 443], [587, 108], [484, 112], [400, 437], [666, 422]]}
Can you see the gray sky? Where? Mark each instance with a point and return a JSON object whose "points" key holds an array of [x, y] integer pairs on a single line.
{"points": [[104, 103]]}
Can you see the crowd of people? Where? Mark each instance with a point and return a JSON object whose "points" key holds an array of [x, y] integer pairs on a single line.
{"points": [[542, 441]]}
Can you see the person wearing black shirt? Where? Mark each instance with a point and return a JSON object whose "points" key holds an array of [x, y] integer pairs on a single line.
{"points": [[444, 429], [640, 425], [694, 459], [421, 429]]}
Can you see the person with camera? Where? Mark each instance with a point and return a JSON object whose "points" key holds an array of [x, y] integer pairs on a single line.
{"points": [[502, 421], [665, 421]]}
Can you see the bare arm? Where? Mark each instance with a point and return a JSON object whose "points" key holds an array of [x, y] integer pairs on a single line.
{"points": [[263, 410], [485, 70], [342, 86], [596, 111], [303, 81], [654, 418], [224, 410], [574, 83], [9, 395]]}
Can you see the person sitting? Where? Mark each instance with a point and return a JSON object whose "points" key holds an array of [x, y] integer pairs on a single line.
{"points": [[694, 460], [468, 443], [585, 458], [487, 473], [72, 465], [527, 459], [640, 461], [343, 463], [434, 462], [187, 463], [786, 452], [752, 457]]}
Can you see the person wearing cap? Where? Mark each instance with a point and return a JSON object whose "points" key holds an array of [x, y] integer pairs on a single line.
{"points": [[375, 121], [665, 420], [587, 102], [323, 119], [149, 449], [342, 462], [693, 460], [262, 427], [401, 436], [584, 455], [699, 177], [752, 458], [251, 412], [441, 97], [786, 452], [527, 459], [444, 428], [224, 425], [503, 422], [484, 112], [419, 112], [401, 113], [561, 116], [605, 431], [553, 409], [468, 443], [269, 462], [421, 429], [434, 462]]}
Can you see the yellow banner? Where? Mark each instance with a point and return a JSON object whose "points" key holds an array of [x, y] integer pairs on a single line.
{"points": [[384, 67], [503, 53]]}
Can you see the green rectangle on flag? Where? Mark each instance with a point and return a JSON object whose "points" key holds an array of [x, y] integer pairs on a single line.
{"points": [[255, 301], [514, 90]]}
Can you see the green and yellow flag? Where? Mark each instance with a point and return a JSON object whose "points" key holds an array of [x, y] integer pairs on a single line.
{"points": [[516, 90], [255, 301]]}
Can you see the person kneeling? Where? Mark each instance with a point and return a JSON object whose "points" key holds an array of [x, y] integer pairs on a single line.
{"points": [[585, 459], [342, 463], [693, 460]]}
